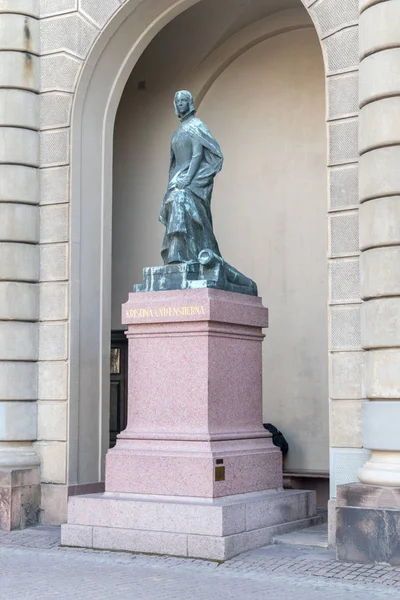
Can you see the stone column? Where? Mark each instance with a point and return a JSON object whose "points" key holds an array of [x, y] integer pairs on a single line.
{"points": [[19, 260], [380, 237], [368, 513]]}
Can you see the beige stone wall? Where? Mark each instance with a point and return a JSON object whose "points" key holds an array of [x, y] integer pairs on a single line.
{"points": [[88, 49], [267, 111]]}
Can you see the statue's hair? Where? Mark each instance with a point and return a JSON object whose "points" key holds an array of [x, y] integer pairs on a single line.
{"points": [[188, 96]]}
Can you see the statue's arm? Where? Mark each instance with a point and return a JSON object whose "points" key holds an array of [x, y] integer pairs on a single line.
{"points": [[196, 159], [172, 163]]}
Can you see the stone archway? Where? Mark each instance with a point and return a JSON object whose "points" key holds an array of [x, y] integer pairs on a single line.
{"points": [[95, 65], [251, 90]]}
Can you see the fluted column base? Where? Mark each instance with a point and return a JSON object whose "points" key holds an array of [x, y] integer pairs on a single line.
{"points": [[382, 469]]}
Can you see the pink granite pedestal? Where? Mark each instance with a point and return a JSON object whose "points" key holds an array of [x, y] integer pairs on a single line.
{"points": [[194, 442], [195, 394]]}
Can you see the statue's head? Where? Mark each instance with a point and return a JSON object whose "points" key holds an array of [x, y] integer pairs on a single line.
{"points": [[184, 103]]}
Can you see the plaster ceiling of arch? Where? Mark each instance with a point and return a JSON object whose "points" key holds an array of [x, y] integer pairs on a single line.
{"points": [[187, 40], [244, 12]]}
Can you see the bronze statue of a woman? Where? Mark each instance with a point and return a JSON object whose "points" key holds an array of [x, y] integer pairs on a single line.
{"points": [[190, 252], [196, 158]]}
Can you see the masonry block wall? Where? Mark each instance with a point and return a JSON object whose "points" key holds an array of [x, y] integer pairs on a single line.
{"points": [[36, 234], [337, 26]]}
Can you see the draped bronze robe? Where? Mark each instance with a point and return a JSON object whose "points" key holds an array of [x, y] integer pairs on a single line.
{"points": [[186, 213]]}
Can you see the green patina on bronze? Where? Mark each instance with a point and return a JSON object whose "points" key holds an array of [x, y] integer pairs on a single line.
{"points": [[190, 250]]}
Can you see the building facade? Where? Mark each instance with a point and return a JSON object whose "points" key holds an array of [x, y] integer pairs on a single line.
{"points": [[304, 97]]}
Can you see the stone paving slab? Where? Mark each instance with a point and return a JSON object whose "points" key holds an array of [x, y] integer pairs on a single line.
{"points": [[27, 555], [46, 574], [36, 537], [311, 536]]}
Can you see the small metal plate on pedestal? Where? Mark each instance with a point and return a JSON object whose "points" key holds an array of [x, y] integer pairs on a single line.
{"points": [[220, 473]]}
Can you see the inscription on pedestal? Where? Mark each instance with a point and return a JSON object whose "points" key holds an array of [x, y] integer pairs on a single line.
{"points": [[219, 473], [164, 311]]}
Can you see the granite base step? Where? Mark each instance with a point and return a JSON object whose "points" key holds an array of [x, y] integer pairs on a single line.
{"points": [[213, 529]]}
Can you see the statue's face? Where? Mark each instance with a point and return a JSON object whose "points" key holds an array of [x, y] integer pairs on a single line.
{"points": [[182, 104]]}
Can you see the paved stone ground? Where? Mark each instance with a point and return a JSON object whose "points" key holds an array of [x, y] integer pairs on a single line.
{"points": [[34, 566], [316, 536]]}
